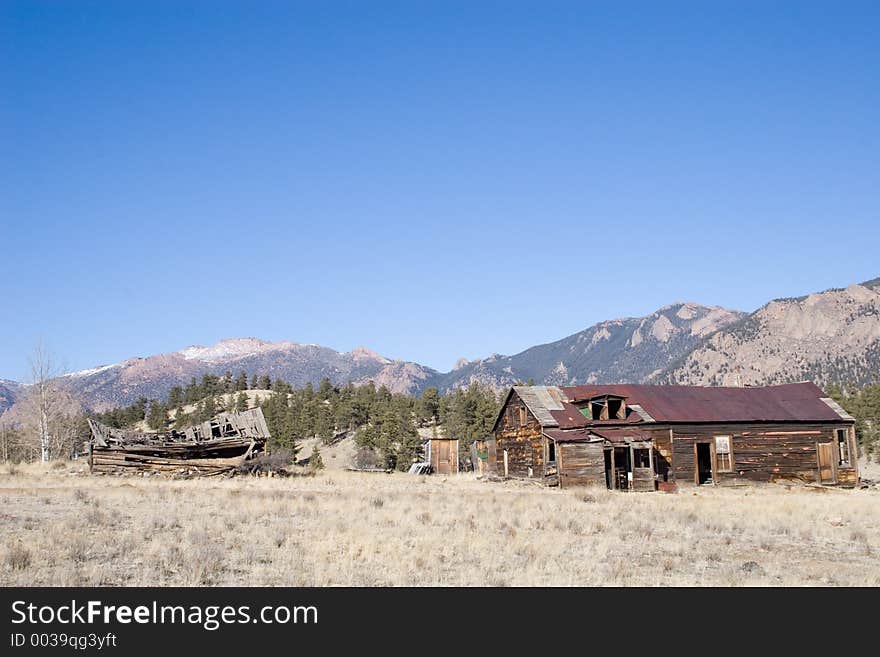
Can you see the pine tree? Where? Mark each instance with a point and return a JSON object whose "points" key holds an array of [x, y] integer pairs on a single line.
{"points": [[429, 406], [240, 381], [315, 461], [193, 392], [157, 416], [241, 402], [325, 389], [206, 409], [175, 397]]}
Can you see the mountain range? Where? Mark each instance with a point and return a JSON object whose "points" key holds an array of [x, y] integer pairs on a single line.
{"points": [[826, 337]]}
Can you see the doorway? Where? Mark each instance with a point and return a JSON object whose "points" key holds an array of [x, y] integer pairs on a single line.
{"points": [[704, 463], [622, 468]]}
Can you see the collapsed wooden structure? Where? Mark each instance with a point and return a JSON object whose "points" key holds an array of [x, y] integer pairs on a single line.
{"points": [[645, 437], [217, 446]]}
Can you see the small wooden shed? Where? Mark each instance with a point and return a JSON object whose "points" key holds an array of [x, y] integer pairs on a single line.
{"points": [[442, 454], [482, 456]]}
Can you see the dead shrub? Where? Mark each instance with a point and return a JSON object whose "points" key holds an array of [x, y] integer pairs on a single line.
{"points": [[17, 556], [752, 567], [211, 563], [367, 458], [95, 516], [78, 549], [278, 462]]}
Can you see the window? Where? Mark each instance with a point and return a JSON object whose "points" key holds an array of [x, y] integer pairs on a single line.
{"points": [[616, 409], [523, 416], [723, 457], [551, 451], [604, 407], [641, 458], [843, 446]]}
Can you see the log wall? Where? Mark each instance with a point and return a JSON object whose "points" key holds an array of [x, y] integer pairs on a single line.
{"points": [[523, 441]]}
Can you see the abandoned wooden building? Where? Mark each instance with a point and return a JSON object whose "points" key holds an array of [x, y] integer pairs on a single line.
{"points": [[644, 437], [214, 447]]}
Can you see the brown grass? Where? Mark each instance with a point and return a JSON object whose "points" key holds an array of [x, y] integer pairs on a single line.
{"points": [[60, 527]]}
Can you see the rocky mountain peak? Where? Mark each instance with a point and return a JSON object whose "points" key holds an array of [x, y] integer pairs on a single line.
{"points": [[226, 349], [365, 354], [830, 336]]}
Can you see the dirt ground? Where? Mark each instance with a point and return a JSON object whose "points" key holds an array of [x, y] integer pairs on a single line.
{"points": [[59, 526]]}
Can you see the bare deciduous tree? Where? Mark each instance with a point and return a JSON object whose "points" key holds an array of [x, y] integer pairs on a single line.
{"points": [[12, 445], [43, 396]]}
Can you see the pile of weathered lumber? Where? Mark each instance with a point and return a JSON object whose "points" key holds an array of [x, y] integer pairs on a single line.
{"points": [[219, 446]]}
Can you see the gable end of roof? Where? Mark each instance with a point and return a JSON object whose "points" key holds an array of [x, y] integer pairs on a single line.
{"points": [[837, 408]]}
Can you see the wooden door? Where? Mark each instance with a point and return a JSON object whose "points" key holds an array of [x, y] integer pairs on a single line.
{"points": [[443, 466], [826, 462]]}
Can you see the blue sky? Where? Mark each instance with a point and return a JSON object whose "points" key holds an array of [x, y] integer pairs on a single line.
{"points": [[432, 180]]}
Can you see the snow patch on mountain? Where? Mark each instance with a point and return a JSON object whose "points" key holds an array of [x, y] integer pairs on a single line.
{"points": [[93, 370], [230, 349]]}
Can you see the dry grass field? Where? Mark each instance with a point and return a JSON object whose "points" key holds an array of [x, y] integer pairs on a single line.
{"points": [[63, 527]]}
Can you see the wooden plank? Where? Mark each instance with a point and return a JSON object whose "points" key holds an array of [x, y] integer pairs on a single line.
{"points": [[580, 464], [825, 455]]}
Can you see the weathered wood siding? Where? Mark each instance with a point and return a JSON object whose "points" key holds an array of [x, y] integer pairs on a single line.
{"points": [[761, 452], [444, 455], [522, 440], [580, 464], [662, 439], [643, 479], [683, 462]]}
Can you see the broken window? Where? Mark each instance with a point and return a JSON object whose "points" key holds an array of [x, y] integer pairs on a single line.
{"points": [[551, 451], [523, 416], [843, 446], [604, 407], [641, 458], [723, 457], [616, 409]]}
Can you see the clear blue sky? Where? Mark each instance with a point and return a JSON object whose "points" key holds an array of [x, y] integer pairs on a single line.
{"points": [[430, 180]]}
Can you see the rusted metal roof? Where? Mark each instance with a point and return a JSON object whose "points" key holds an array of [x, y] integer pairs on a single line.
{"points": [[541, 400], [620, 435], [572, 436], [571, 418], [793, 402]]}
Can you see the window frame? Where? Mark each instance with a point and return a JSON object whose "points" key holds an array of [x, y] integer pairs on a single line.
{"points": [[720, 466], [841, 462]]}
